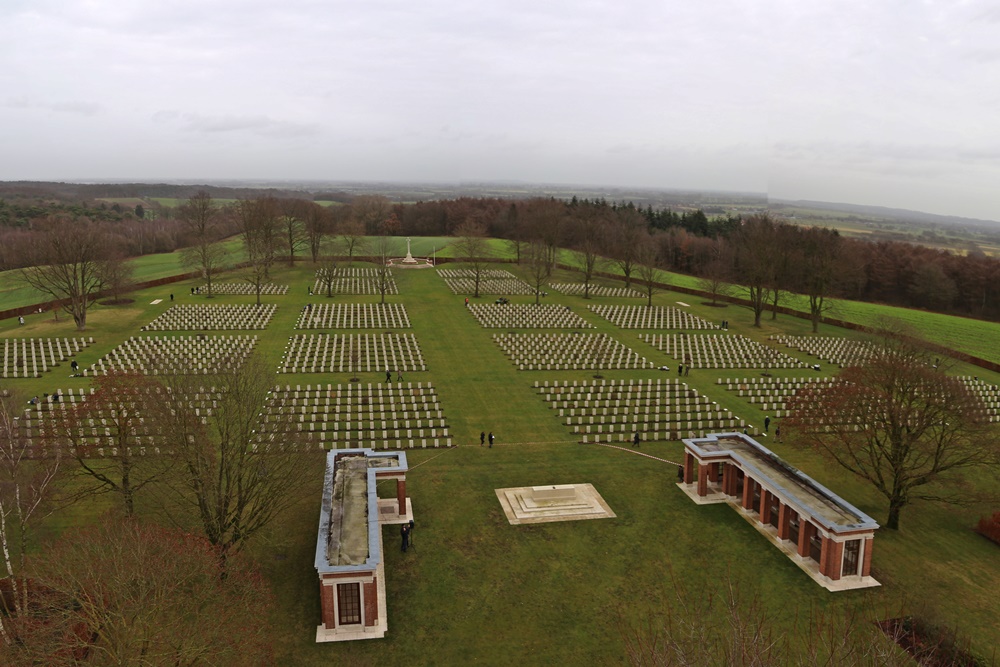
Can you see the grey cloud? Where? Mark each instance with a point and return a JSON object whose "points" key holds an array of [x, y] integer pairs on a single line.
{"points": [[71, 106], [223, 124]]}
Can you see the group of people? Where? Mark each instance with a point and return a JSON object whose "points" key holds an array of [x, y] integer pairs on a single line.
{"points": [[777, 429], [483, 437], [388, 375], [46, 398]]}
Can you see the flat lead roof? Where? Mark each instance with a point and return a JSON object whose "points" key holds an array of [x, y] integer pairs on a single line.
{"points": [[798, 488]]}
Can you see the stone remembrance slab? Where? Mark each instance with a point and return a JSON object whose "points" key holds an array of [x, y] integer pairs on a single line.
{"points": [[545, 504]]}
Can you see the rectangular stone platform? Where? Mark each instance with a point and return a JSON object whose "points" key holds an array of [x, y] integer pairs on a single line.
{"points": [[545, 504]]}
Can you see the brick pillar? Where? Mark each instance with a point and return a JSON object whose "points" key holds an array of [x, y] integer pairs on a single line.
{"points": [[727, 479], [401, 496], [836, 564], [371, 602], [866, 560], [765, 506], [748, 492], [784, 518], [703, 480], [688, 468], [824, 556], [329, 608], [805, 532]]}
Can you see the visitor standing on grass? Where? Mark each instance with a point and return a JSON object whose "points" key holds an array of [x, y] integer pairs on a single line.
{"points": [[388, 375], [491, 439], [635, 439], [777, 433], [399, 375], [482, 438], [404, 532], [767, 422]]}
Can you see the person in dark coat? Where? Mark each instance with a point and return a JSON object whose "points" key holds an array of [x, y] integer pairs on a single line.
{"points": [[767, 422], [635, 439], [404, 532], [491, 439], [482, 438], [410, 532], [388, 375]]}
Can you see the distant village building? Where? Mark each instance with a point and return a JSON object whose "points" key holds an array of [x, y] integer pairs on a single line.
{"points": [[827, 537], [349, 553]]}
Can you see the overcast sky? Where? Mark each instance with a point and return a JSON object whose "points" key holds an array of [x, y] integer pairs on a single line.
{"points": [[887, 102]]}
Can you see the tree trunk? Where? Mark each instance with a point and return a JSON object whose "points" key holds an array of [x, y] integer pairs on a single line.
{"points": [[895, 507]]}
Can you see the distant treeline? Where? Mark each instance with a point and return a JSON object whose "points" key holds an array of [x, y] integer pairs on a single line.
{"points": [[715, 248]]}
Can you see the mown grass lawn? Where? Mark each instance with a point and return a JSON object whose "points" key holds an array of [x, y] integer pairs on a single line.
{"points": [[476, 590]]}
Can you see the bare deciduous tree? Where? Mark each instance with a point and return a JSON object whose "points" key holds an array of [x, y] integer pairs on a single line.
{"points": [[646, 266], [822, 269], [236, 478], [591, 244], [900, 423], [627, 231], [352, 238], [539, 266], [294, 213], [118, 275], [755, 261], [114, 436], [27, 484], [718, 271], [68, 257], [258, 220], [201, 220], [383, 247], [125, 593], [474, 249], [317, 225], [327, 271]]}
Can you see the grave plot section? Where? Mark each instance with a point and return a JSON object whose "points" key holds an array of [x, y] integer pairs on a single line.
{"points": [[37, 424], [988, 393], [577, 289], [397, 415], [178, 355], [101, 426], [568, 352], [657, 317], [527, 316], [614, 410], [773, 395], [491, 281], [720, 351], [353, 281], [242, 289], [108, 423], [213, 317], [352, 353], [840, 351], [353, 316], [30, 357]]}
